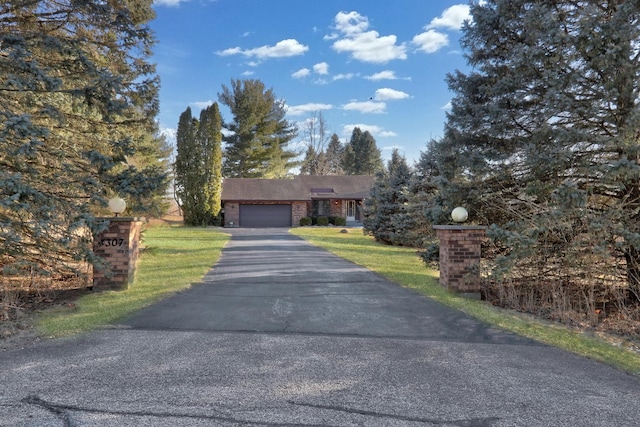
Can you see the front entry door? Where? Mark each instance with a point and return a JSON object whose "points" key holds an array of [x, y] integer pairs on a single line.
{"points": [[351, 210]]}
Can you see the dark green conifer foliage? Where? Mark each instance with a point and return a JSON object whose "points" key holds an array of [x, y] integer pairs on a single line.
{"points": [[210, 138], [425, 197], [386, 216], [545, 136], [78, 98], [198, 167], [361, 155], [334, 155], [310, 164], [258, 144]]}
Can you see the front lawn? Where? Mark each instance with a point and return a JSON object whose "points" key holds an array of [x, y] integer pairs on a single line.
{"points": [[402, 266], [173, 258]]}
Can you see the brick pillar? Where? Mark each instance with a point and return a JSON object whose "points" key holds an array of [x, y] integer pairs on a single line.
{"points": [[460, 257], [119, 246]]}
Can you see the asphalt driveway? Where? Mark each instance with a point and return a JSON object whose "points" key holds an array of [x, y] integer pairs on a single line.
{"points": [[281, 333]]}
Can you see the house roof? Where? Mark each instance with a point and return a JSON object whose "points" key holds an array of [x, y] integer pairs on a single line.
{"points": [[302, 187]]}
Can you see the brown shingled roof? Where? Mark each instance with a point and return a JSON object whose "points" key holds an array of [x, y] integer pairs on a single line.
{"points": [[299, 188]]}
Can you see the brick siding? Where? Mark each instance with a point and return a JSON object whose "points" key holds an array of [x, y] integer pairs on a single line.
{"points": [[119, 245], [460, 252]]}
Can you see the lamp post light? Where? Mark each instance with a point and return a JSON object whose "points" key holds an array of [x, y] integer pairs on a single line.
{"points": [[460, 254], [118, 245], [459, 214], [117, 205]]}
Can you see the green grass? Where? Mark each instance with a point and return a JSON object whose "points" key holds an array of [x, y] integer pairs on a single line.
{"points": [[174, 258], [402, 266]]}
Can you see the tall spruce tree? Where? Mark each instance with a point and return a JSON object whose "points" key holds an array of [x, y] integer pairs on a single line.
{"points": [[429, 201], [545, 130], [198, 166], [257, 146], [334, 155], [386, 215], [361, 155], [78, 97]]}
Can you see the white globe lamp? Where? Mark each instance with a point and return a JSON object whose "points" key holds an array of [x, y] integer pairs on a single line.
{"points": [[459, 214], [117, 205]]}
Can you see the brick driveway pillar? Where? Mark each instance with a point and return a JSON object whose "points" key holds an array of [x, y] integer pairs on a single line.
{"points": [[119, 246], [460, 257]]}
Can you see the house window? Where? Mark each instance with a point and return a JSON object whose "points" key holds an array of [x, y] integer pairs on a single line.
{"points": [[321, 208]]}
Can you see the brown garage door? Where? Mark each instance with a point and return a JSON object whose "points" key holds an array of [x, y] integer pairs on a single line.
{"points": [[260, 216]]}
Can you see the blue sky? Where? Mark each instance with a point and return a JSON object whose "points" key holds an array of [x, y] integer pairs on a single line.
{"points": [[378, 65]]}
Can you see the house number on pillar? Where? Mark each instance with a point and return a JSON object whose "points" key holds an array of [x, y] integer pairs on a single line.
{"points": [[111, 242]]}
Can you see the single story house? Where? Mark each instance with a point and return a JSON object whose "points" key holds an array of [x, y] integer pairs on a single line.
{"points": [[254, 202]]}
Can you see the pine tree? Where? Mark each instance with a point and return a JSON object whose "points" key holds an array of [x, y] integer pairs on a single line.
{"points": [[309, 164], [361, 155], [429, 204], [78, 97], [545, 131], [260, 134], [334, 155], [386, 216]]}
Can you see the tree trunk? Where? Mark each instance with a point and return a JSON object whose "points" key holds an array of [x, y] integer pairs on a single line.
{"points": [[632, 256]]}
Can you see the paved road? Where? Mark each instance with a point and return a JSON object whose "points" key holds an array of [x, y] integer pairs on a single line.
{"points": [[281, 333]]}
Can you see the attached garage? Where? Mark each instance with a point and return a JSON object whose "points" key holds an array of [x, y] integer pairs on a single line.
{"points": [[260, 216]]}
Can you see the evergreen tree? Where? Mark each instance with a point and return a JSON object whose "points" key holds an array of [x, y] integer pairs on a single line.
{"points": [[545, 131], [257, 144], [209, 138], [386, 216], [198, 166], [334, 155], [78, 97], [188, 164], [361, 155], [309, 164]]}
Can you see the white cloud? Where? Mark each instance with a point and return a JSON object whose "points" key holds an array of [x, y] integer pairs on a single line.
{"points": [[365, 46], [202, 104], [452, 18], [392, 147], [230, 51], [387, 94], [371, 107], [169, 134], [347, 76], [168, 2], [298, 110], [282, 49], [431, 41], [321, 68], [447, 106], [248, 73], [351, 23], [303, 72], [383, 75], [375, 131]]}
